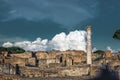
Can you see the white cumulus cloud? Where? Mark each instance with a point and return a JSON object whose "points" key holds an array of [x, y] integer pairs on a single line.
{"points": [[94, 49], [112, 50], [75, 40], [109, 48], [8, 44]]}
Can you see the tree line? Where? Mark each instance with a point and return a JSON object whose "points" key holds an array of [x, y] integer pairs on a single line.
{"points": [[11, 50]]}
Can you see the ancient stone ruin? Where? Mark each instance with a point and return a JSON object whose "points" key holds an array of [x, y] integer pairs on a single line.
{"points": [[59, 63]]}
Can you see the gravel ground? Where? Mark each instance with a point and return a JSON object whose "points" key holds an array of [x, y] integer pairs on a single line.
{"points": [[12, 77], [58, 78]]}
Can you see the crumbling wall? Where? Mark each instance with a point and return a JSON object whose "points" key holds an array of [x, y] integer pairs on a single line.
{"points": [[56, 72], [95, 70], [108, 54], [75, 71], [30, 72], [16, 60], [22, 55], [114, 64], [42, 63], [41, 55], [79, 59], [32, 61], [54, 65]]}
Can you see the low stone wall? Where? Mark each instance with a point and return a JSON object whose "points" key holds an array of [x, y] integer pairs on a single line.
{"points": [[30, 72], [54, 65], [9, 77], [95, 70], [56, 72], [75, 71], [22, 55]]}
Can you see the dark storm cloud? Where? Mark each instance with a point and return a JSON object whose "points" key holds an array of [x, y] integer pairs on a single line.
{"points": [[28, 19], [4, 10], [65, 12], [4, 38], [30, 29]]}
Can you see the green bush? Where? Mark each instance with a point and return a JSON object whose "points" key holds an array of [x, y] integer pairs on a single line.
{"points": [[3, 49], [101, 52], [11, 50], [117, 34], [15, 50]]}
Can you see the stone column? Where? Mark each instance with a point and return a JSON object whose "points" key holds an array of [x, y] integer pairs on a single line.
{"points": [[89, 45]]}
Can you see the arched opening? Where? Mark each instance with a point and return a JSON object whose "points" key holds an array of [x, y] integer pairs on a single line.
{"points": [[72, 61], [33, 54], [65, 63], [37, 62], [61, 59], [17, 69]]}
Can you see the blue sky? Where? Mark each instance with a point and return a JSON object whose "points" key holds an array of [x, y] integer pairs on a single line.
{"points": [[28, 19]]}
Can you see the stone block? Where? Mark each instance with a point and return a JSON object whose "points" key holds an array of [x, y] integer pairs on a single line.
{"points": [[32, 61], [52, 60], [42, 63], [54, 65]]}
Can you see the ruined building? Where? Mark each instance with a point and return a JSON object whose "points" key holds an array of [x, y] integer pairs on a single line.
{"points": [[59, 63]]}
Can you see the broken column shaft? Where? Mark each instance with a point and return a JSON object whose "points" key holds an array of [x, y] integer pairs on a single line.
{"points": [[89, 45]]}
